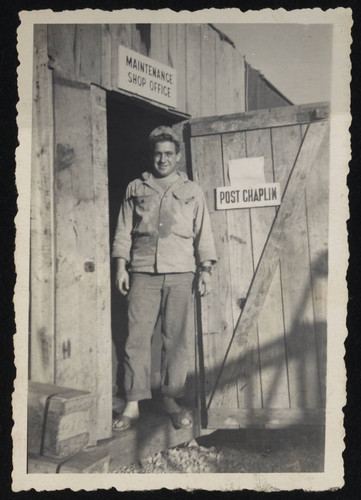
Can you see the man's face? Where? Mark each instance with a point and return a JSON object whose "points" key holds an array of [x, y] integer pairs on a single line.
{"points": [[165, 158]]}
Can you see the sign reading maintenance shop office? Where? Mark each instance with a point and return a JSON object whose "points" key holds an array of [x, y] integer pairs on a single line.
{"points": [[146, 77]]}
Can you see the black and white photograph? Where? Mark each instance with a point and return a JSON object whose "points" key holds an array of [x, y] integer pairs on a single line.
{"points": [[181, 294]]}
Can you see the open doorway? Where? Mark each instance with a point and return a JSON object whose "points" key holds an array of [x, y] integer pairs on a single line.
{"points": [[129, 123]]}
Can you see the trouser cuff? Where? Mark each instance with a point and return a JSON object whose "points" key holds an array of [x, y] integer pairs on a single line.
{"points": [[172, 392], [138, 395]]}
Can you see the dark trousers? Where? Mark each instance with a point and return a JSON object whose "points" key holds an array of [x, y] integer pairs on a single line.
{"points": [[171, 295]]}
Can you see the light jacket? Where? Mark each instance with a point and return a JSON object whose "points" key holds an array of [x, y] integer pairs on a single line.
{"points": [[164, 232]]}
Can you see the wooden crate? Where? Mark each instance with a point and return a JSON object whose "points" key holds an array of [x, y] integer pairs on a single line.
{"points": [[58, 420]]}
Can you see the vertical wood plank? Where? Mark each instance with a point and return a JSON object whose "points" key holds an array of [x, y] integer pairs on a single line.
{"points": [[180, 66], [102, 263], [136, 40], [121, 34], [172, 45], [42, 217], [240, 255], [298, 314], [193, 69], [249, 382], [88, 53], [217, 308], [75, 51], [273, 360], [259, 144], [76, 284], [238, 83], [172, 54], [208, 71], [239, 232], [159, 42], [61, 42], [317, 200], [224, 92], [286, 142], [271, 320], [240, 258], [106, 56]]}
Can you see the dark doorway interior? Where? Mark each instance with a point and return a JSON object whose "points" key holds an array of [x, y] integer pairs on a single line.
{"points": [[129, 123]]}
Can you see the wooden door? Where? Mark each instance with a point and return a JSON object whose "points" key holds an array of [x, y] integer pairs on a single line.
{"points": [[82, 276], [263, 328]]}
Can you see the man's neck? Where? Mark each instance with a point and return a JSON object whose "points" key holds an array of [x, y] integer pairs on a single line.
{"points": [[167, 181]]}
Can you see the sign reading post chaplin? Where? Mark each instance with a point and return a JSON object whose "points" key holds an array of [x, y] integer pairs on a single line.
{"points": [[249, 196], [146, 77]]}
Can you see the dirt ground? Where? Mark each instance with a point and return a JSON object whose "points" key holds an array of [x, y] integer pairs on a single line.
{"points": [[251, 450]]}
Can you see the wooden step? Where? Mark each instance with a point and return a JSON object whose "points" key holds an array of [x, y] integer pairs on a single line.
{"points": [[87, 461], [58, 420]]}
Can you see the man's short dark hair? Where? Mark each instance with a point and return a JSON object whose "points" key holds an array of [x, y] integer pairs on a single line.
{"points": [[163, 134], [163, 138]]}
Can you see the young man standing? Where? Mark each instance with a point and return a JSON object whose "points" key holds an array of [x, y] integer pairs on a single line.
{"points": [[163, 237]]}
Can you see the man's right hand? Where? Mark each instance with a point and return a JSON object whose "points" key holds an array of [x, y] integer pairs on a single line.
{"points": [[122, 277], [122, 281]]}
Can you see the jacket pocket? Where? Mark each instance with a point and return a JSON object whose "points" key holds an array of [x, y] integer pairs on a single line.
{"points": [[145, 214], [184, 198], [183, 210], [144, 203]]}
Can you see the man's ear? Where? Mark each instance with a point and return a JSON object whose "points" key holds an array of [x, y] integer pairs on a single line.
{"points": [[179, 156]]}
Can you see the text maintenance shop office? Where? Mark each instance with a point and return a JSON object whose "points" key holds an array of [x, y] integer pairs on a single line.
{"points": [[259, 355]]}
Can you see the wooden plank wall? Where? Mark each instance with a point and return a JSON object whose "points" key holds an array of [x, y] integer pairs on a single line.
{"points": [[284, 364], [210, 72], [75, 50], [42, 265], [82, 282]]}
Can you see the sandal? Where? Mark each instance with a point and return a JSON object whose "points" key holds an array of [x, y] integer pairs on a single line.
{"points": [[126, 421], [177, 417]]}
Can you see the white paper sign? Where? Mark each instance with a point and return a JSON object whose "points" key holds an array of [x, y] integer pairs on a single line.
{"points": [[248, 196], [246, 171], [146, 77]]}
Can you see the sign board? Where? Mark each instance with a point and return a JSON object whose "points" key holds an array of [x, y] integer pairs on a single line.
{"points": [[251, 196], [146, 77]]}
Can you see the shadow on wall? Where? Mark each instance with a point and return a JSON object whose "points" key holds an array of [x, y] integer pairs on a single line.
{"points": [[298, 345], [231, 371]]}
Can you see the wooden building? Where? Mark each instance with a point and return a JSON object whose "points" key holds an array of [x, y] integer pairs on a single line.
{"points": [[259, 355]]}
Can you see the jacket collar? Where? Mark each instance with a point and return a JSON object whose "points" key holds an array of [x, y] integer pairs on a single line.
{"points": [[149, 180], [147, 175]]}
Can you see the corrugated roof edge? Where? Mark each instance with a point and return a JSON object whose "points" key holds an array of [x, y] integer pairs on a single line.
{"points": [[269, 84], [225, 38], [222, 36]]}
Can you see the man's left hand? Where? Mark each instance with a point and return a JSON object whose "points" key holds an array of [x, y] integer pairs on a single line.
{"points": [[204, 283]]}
